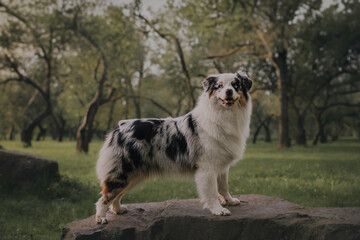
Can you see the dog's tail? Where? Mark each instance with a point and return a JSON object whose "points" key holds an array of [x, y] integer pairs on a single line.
{"points": [[107, 155]]}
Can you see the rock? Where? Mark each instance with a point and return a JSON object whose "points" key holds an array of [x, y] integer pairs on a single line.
{"points": [[258, 217], [27, 169]]}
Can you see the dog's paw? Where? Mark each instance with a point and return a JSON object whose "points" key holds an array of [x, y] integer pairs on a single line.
{"points": [[121, 210], [101, 220], [220, 211], [233, 201], [222, 200]]}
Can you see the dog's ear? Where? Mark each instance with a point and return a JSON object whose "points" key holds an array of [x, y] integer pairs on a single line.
{"points": [[248, 83], [209, 82], [245, 80]]}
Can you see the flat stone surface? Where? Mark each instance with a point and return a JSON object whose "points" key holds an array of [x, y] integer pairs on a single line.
{"points": [[27, 169], [258, 217]]}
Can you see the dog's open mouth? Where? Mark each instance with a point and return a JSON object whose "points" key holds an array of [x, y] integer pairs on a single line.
{"points": [[228, 101]]}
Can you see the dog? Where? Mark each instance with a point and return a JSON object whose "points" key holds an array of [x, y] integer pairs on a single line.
{"points": [[204, 143]]}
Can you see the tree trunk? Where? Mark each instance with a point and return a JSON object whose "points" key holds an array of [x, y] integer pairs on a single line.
{"points": [[267, 128], [41, 133], [111, 113], [267, 133], [137, 107], [316, 138], [126, 112], [72, 133], [334, 137], [27, 133], [84, 132], [301, 134], [284, 136], [323, 137], [136, 101], [61, 128], [320, 134], [265, 123], [257, 131], [11, 133]]}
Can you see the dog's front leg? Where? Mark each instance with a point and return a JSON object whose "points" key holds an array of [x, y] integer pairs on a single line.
{"points": [[223, 188], [207, 188]]}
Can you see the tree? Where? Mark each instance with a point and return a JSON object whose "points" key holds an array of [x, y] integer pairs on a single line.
{"points": [[111, 40], [171, 37], [325, 52], [84, 132], [38, 31], [249, 30]]}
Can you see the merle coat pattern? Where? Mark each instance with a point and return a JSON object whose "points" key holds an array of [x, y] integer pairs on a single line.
{"points": [[204, 143]]}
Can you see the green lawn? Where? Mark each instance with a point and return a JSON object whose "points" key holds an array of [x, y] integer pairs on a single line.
{"points": [[325, 175]]}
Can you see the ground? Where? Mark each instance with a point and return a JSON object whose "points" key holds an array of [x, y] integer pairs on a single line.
{"points": [[327, 175]]}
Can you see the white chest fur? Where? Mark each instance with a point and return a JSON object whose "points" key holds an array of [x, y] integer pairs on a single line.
{"points": [[223, 132]]}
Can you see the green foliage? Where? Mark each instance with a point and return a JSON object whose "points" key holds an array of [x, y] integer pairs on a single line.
{"points": [[146, 72]]}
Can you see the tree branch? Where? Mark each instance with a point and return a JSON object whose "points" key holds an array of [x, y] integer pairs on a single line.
{"points": [[10, 80], [32, 30], [180, 52], [96, 69], [319, 88], [227, 53], [348, 92], [150, 100], [345, 104], [21, 78], [109, 97]]}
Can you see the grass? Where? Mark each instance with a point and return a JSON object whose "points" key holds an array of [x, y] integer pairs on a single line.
{"points": [[327, 175]]}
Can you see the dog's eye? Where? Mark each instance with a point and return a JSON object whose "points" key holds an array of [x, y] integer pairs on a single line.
{"points": [[219, 85], [236, 87]]}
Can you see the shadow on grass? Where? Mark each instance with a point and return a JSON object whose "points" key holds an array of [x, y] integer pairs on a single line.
{"points": [[37, 212], [66, 188]]}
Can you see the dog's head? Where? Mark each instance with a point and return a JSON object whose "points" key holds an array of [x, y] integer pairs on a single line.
{"points": [[228, 89]]}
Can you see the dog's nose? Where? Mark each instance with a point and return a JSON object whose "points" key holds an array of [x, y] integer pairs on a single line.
{"points": [[229, 92]]}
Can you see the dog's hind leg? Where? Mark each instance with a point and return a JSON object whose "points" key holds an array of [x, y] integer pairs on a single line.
{"points": [[109, 194], [112, 192], [116, 206]]}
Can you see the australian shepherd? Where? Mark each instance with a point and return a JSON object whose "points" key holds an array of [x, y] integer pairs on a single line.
{"points": [[204, 143]]}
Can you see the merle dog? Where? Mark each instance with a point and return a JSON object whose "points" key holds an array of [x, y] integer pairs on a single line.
{"points": [[204, 143]]}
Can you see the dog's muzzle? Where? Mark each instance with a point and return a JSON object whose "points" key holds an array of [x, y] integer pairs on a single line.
{"points": [[228, 101]]}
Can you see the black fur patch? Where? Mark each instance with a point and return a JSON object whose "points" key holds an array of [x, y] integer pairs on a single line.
{"points": [[113, 133], [156, 121], [146, 130], [134, 154], [243, 89], [111, 185], [209, 83], [191, 123], [176, 145], [151, 152], [161, 131], [245, 83], [236, 84], [123, 177], [120, 138], [126, 165]]}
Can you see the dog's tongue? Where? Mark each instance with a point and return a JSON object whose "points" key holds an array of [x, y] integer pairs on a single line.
{"points": [[229, 100]]}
